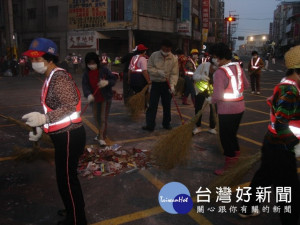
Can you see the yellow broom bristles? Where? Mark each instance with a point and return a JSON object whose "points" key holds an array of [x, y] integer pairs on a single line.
{"points": [[136, 103], [34, 153], [45, 138], [233, 176], [172, 149]]}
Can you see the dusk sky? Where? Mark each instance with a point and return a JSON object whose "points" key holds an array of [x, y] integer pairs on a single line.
{"points": [[255, 16]]}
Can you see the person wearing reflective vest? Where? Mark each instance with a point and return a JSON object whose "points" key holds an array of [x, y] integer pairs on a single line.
{"points": [[190, 67], [138, 76], [254, 69], [281, 146], [61, 120], [229, 84], [203, 78]]}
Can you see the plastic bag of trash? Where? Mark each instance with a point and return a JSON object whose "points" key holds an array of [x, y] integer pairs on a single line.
{"points": [[8, 73]]}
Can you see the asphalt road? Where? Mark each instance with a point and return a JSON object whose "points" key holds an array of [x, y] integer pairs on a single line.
{"points": [[28, 190]]}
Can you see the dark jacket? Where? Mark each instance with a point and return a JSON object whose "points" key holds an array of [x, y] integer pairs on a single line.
{"points": [[104, 73]]}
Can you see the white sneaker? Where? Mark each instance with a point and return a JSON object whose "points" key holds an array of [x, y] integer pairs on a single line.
{"points": [[102, 142], [252, 92], [258, 93], [197, 130], [212, 131], [96, 138]]}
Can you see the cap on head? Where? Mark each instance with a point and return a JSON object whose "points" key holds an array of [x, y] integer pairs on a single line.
{"points": [[41, 46], [194, 51], [141, 47], [254, 53], [292, 58]]}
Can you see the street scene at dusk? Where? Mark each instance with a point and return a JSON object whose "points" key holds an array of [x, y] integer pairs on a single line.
{"points": [[144, 112]]}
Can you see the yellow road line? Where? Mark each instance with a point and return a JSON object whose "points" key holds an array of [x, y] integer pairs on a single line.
{"points": [[153, 180], [8, 125], [90, 125], [256, 122], [158, 184], [260, 100], [19, 106], [249, 140], [255, 110], [132, 217], [7, 158]]}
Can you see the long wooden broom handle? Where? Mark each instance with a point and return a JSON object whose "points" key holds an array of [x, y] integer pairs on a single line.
{"points": [[85, 107], [173, 97]]}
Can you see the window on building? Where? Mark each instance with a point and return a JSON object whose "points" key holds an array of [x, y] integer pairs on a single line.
{"points": [[53, 11], [117, 10], [178, 11], [31, 13]]}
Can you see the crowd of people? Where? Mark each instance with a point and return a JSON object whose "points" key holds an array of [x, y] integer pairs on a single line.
{"points": [[217, 77]]}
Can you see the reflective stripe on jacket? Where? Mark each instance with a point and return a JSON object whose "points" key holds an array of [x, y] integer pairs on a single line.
{"points": [[74, 117], [235, 88]]}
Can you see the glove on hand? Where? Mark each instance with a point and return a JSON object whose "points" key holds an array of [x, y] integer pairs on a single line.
{"points": [[297, 150], [35, 119], [37, 136], [208, 99], [172, 89], [90, 98], [204, 77], [102, 83], [161, 73]]}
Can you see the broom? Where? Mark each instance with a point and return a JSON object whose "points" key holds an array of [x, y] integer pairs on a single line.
{"points": [[36, 152], [172, 149], [233, 176], [45, 138], [136, 103]]}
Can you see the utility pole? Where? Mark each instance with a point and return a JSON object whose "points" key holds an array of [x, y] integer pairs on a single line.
{"points": [[9, 31]]}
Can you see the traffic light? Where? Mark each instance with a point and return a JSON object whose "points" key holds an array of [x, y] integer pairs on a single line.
{"points": [[230, 19]]}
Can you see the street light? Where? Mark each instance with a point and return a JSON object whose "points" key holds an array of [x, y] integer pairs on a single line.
{"points": [[230, 19], [251, 38]]}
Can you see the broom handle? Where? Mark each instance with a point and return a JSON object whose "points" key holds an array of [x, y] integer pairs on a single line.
{"points": [[85, 107], [216, 120], [35, 143], [173, 97]]}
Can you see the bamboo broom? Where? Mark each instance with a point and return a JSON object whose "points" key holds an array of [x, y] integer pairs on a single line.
{"points": [[136, 103], [34, 153], [172, 149], [233, 176]]}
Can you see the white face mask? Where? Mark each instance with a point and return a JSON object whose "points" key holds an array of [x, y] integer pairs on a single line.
{"points": [[215, 61], [195, 56], [39, 67], [164, 53], [92, 66]]}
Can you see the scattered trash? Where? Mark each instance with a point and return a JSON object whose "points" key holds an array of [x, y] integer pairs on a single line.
{"points": [[112, 160]]}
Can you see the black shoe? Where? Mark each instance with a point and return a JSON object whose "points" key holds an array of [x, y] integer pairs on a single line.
{"points": [[62, 212], [168, 127], [148, 128]]}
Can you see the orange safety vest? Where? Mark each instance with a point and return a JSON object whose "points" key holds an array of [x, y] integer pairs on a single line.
{"points": [[235, 88], [133, 64], [254, 65], [294, 125], [189, 72], [66, 121]]}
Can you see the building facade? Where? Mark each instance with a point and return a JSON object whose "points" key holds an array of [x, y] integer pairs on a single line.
{"points": [[286, 26], [113, 26]]}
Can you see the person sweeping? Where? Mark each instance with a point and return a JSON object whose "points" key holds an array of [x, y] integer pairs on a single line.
{"points": [[281, 145], [97, 83], [203, 78], [61, 120], [229, 84]]}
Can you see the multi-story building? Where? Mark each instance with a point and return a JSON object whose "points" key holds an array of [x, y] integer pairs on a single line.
{"points": [[254, 43], [286, 24], [115, 26]]}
